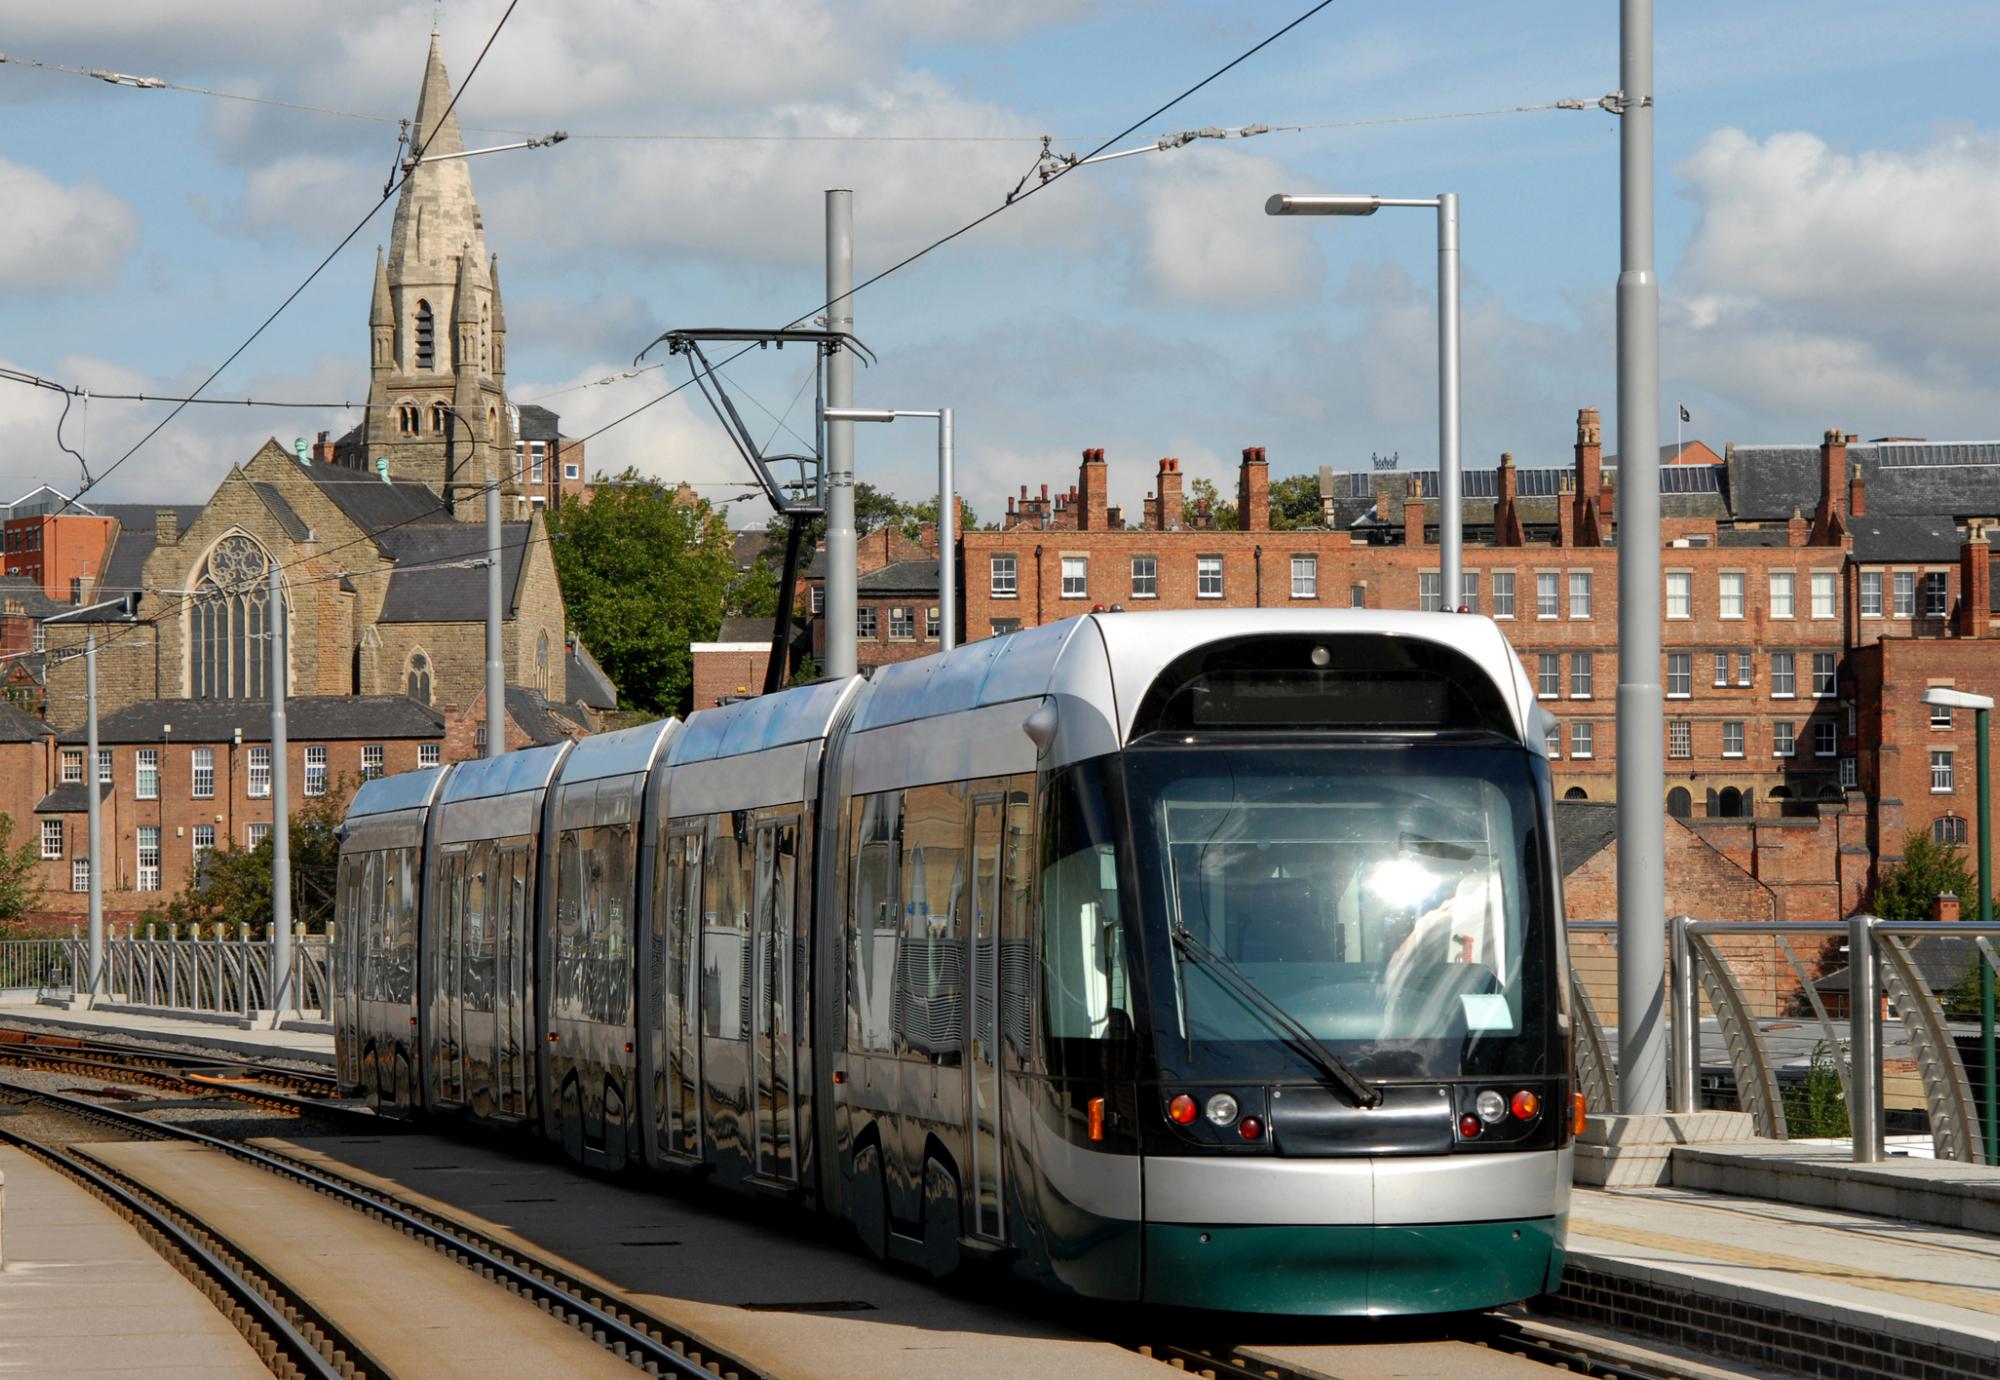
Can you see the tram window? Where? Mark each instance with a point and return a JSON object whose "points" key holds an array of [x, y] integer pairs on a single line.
{"points": [[1086, 987], [930, 957], [1017, 941], [398, 908], [725, 930], [610, 946], [473, 965], [565, 991], [878, 841]]}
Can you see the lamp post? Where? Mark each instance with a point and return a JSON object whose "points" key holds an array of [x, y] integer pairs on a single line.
{"points": [[1982, 719], [1450, 544], [947, 510]]}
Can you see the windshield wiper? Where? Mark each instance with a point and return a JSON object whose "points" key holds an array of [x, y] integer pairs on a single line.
{"points": [[1309, 1044]]}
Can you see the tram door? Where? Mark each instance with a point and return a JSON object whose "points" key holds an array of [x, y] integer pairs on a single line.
{"points": [[447, 1021], [983, 1046], [678, 1103], [771, 941], [477, 1028]]}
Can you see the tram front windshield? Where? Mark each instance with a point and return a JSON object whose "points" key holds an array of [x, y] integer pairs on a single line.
{"points": [[1389, 897]]}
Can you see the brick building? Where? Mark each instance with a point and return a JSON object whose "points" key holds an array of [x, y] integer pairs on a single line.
{"points": [[177, 778]]}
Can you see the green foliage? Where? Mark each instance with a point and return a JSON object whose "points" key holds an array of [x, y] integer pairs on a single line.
{"points": [[1904, 892], [753, 593], [20, 876], [1201, 497], [233, 886], [915, 518], [805, 673], [1295, 502], [873, 508], [643, 576], [1815, 1106]]}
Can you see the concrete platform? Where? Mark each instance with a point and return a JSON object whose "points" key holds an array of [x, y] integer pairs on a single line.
{"points": [[775, 1293], [172, 1032], [1942, 1193], [1815, 1289], [81, 1295]]}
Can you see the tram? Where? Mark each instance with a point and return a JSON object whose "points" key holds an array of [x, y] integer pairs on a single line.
{"points": [[1165, 957]]}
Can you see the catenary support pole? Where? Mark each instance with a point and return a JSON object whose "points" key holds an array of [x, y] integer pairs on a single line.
{"points": [[947, 538], [1983, 726], [1642, 907], [840, 545], [496, 674], [1451, 545], [95, 810], [281, 819]]}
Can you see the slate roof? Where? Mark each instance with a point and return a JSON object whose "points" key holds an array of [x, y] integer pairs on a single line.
{"points": [[537, 424], [747, 545], [1904, 538], [1903, 478], [1942, 961], [17, 725], [587, 682], [441, 592], [307, 718], [1584, 828], [294, 525], [901, 577], [71, 799], [1753, 536], [133, 542], [27, 592], [541, 721], [745, 630], [373, 505]]}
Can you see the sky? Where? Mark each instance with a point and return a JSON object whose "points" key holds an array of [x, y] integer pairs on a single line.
{"points": [[1828, 225]]}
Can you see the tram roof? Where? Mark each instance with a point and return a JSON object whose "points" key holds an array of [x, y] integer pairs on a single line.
{"points": [[768, 721], [1064, 657], [528, 770], [618, 753], [406, 790]]}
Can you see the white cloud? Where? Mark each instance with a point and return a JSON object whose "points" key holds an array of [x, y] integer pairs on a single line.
{"points": [[58, 236], [1207, 237], [1824, 287]]}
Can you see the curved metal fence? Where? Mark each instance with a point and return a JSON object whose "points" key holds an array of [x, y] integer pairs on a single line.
{"points": [[183, 968]]}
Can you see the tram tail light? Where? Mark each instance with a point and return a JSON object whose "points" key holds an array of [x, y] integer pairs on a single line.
{"points": [[1096, 1114], [1576, 1115], [1250, 1128], [1526, 1106], [1469, 1127], [1182, 1110]]}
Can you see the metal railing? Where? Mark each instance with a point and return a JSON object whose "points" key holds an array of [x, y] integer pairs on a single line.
{"points": [[33, 964], [1884, 971], [179, 968]]}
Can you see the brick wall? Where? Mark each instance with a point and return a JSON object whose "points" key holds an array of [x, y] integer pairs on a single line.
{"points": [[726, 670], [1899, 736]]}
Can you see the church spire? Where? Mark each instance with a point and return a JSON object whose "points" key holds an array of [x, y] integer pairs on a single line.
{"points": [[380, 312], [434, 105]]}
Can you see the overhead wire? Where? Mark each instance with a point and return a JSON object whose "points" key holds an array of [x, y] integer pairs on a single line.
{"points": [[387, 192], [76, 390]]}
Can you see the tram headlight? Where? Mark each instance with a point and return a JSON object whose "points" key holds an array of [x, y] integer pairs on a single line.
{"points": [[1491, 1106], [1222, 1109]]}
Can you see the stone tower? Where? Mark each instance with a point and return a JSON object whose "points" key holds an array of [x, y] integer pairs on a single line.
{"points": [[437, 384]]}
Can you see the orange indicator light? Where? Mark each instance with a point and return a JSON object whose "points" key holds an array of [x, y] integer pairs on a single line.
{"points": [[1096, 1118]]}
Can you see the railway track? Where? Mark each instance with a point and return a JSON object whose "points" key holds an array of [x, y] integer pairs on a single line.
{"points": [[643, 1340], [272, 1087]]}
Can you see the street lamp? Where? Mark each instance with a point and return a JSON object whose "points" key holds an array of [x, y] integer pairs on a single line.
{"points": [[947, 514], [1982, 711], [1450, 544]]}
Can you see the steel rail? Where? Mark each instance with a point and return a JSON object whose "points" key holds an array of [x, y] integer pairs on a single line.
{"points": [[190, 1080], [13, 1038], [288, 1334], [643, 1339]]}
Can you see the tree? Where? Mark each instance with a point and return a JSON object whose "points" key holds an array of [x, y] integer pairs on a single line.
{"points": [[643, 576], [753, 593], [1905, 890], [924, 514], [1295, 503], [1202, 498], [20, 876]]}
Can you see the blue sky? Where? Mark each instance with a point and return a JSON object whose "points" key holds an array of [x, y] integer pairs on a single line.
{"points": [[1829, 212]]}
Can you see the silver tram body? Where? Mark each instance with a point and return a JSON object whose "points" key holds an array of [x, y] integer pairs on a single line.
{"points": [[1205, 961]]}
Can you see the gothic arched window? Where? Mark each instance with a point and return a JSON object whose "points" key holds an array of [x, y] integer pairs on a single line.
{"points": [[426, 336], [229, 649], [1949, 830], [438, 415], [418, 678], [406, 419]]}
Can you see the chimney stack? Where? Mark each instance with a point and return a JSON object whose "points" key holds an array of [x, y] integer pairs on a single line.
{"points": [[1507, 528], [1169, 489], [1090, 487], [1413, 522], [1857, 494], [1585, 522], [1830, 519], [1253, 492], [166, 527], [1975, 585], [1566, 511]]}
